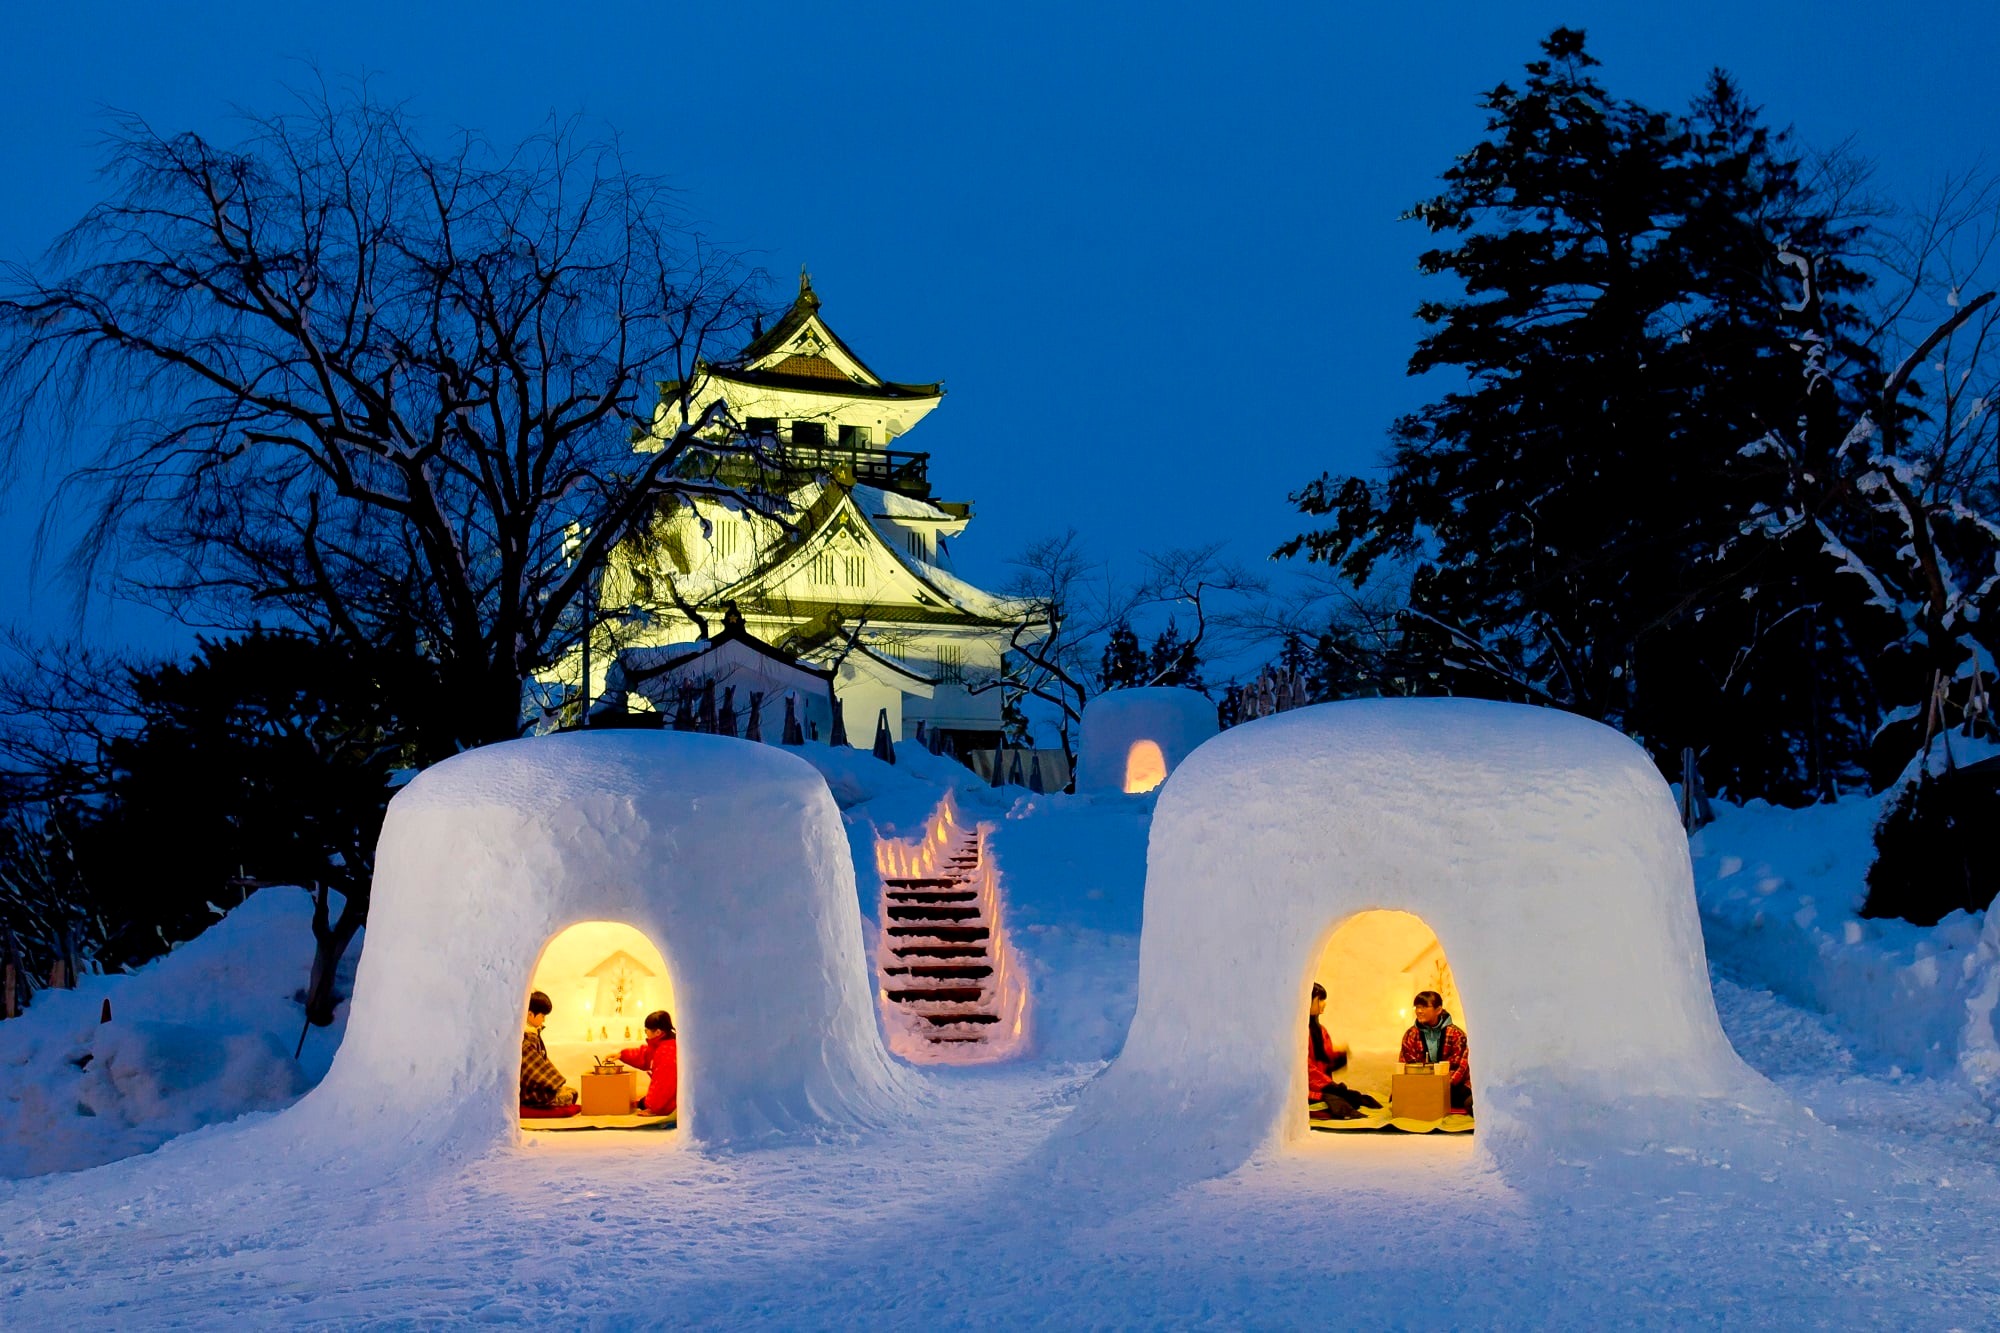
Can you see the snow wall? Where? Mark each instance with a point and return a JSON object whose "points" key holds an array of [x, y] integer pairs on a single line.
{"points": [[1544, 850], [1173, 719], [729, 855]]}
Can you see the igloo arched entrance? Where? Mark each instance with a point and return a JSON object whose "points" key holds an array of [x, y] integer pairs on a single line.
{"points": [[1145, 766], [1133, 739], [1544, 849], [729, 856], [602, 979], [1373, 965]]}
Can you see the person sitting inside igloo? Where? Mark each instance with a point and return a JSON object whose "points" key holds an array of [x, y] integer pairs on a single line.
{"points": [[659, 1058], [1435, 1039], [1325, 1058], [542, 1084]]}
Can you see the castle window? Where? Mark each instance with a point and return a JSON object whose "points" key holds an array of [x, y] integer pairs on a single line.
{"points": [[762, 426], [822, 567], [728, 537], [857, 571], [810, 434], [854, 437], [951, 663], [919, 544]]}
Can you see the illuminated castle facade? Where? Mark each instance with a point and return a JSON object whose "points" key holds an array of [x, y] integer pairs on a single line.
{"points": [[842, 587]]}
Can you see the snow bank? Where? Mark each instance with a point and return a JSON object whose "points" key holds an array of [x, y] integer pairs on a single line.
{"points": [[1979, 1045], [728, 855], [202, 1035], [856, 776], [1132, 739], [1543, 849], [1781, 892]]}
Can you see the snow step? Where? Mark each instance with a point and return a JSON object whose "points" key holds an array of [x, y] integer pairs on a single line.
{"points": [[939, 994], [942, 1020], [940, 951], [930, 912], [943, 1038], [941, 934], [964, 971], [918, 896], [922, 881]]}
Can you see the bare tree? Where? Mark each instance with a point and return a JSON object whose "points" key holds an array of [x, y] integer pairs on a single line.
{"points": [[387, 393], [1216, 591], [1070, 603]]}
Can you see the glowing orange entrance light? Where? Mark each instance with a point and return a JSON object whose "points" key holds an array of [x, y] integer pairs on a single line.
{"points": [[1145, 767]]}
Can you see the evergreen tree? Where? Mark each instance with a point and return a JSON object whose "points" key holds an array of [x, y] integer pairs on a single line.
{"points": [[1173, 660], [1124, 662], [1573, 513], [269, 756]]}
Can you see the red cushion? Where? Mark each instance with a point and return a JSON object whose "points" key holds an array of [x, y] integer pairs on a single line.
{"points": [[550, 1112]]}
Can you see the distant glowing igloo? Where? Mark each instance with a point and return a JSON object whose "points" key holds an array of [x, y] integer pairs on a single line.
{"points": [[1132, 739], [728, 857], [1542, 849]]}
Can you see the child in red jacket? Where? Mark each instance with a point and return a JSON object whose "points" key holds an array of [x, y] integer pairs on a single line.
{"points": [[658, 1058]]}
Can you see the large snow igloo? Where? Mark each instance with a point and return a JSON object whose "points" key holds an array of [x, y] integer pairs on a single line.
{"points": [[727, 856], [1132, 739], [1542, 849]]}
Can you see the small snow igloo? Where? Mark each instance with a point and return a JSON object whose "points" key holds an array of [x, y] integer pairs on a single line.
{"points": [[1542, 852], [716, 877], [1132, 739]]}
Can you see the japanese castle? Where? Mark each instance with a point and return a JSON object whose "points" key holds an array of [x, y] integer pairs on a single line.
{"points": [[837, 586]]}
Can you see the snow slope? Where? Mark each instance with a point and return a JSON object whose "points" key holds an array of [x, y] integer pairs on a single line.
{"points": [[1884, 1213], [1780, 893], [1873, 1201], [201, 1035]]}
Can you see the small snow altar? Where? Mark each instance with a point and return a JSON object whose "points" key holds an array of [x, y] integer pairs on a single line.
{"points": [[1132, 739]]}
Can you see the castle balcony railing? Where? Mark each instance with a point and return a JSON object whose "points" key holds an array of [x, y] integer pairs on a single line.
{"points": [[900, 470]]}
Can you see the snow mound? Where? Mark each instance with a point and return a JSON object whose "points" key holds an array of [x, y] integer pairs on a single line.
{"points": [[1979, 1045], [1781, 893], [1132, 739], [1544, 851], [181, 1076], [728, 855], [202, 1035]]}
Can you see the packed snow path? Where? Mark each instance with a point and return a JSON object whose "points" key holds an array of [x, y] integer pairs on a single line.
{"points": [[1887, 1212]]}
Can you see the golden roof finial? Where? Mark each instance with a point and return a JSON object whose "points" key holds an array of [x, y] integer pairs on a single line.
{"points": [[807, 297]]}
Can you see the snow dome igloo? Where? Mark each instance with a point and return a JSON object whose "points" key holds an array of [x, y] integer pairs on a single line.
{"points": [[1543, 850], [1132, 739], [728, 857]]}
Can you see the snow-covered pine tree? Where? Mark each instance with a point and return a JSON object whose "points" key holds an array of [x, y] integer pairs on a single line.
{"points": [[1900, 504], [1173, 660], [1568, 510], [1124, 662]]}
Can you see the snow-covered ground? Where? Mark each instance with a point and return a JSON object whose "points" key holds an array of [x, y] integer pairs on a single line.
{"points": [[1876, 1200], [199, 1036]]}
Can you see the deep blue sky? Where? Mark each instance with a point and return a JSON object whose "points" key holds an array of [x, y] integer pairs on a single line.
{"points": [[1152, 250]]}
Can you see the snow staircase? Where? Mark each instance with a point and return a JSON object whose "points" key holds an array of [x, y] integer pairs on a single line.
{"points": [[951, 991]]}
